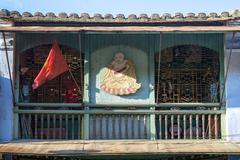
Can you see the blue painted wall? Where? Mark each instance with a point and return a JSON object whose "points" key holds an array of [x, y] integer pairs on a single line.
{"points": [[6, 105], [234, 157], [233, 96]]}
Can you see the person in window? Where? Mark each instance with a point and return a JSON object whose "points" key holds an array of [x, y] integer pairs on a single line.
{"points": [[211, 79], [25, 84], [71, 93]]}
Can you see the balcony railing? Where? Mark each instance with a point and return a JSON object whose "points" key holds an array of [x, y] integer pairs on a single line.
{"points": [[105, 123], [198, 124], [50, 125]]}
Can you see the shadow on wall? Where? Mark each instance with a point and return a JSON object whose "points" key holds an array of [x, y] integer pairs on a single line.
{"points": [[6, 107], [236, 41], [232, 84]]}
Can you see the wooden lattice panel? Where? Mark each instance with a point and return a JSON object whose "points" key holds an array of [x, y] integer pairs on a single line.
{"points": [[62, 88], [188, 73]]}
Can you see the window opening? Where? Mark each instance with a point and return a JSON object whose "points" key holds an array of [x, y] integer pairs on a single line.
{"points": [[188, 74], [61, 89]]}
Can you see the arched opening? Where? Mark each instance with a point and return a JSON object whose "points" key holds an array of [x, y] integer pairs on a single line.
{"points": [[187, 74], [61, 89]]}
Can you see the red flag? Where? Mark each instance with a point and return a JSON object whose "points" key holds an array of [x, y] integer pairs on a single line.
{"points": [[53, 66]]}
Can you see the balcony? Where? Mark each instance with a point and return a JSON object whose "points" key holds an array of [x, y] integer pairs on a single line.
{"points": [[97, 130], [104, 123]]}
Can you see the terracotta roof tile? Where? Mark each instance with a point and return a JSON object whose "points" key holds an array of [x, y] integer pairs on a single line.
{"points": [[85, 17]]}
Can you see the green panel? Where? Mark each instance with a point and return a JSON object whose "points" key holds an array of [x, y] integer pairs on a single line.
{"points": [[85, 41], [222, 73], [145, 44], [99, 41], [125, 128], [152, 125], [103, 46], [30, 40], [99, 50], [209, 40], [151, 71], [136, 48], [16, 92]]}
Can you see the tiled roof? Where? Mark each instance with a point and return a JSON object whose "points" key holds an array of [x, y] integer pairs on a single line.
{"points": [[85, 17]]}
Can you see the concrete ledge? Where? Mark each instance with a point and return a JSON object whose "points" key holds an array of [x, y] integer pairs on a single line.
{"points": [[119, 147]]}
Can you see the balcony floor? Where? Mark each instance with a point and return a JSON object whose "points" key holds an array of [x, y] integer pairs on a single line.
{"points": [[118, 147]]}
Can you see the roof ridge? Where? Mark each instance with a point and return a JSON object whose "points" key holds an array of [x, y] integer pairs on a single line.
{"points": [[143, 17]]}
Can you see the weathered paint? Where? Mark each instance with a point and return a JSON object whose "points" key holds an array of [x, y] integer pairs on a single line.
{"points": [[234, 157], [178, 29], [111, 148], [122, 23], [144, 44], [233, 96], [6, 98], [102, 58], [29, 40], [104, 46], [103, 49], [210, 40], [124, 118]]}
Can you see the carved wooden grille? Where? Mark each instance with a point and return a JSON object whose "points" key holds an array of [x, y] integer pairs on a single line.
{"points": [[188, 73], [56, 89]]}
